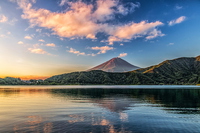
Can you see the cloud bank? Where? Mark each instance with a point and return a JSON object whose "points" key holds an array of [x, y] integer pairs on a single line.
{"points": [[81, 20]]}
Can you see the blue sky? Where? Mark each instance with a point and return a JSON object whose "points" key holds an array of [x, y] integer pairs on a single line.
{"points": [[41, 38]]}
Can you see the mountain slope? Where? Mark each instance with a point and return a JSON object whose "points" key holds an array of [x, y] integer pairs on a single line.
{"points": [[185, 70], [115, 65], [184, 64]]}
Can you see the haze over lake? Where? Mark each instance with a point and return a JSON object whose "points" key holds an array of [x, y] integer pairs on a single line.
{"points": [[108, 109]]}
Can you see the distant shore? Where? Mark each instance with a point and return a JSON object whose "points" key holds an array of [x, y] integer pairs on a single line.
{"points": [[101, 86]]}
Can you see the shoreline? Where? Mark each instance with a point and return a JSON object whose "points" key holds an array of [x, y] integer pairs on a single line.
{"points": [[101, 86]]}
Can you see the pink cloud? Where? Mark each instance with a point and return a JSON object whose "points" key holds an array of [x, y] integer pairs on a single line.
{"points": [[3, 19], [177, 21], [104, 9], [134, 30], [122, 55], [76, 22], [112, 39], [103, 49], [74, 51]]}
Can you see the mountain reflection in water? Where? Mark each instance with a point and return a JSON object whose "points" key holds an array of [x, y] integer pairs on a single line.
{"points": [[99, 110]]}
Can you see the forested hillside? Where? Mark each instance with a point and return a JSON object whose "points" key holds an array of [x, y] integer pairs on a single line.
{"points": [[11, 81], [100, 77]]}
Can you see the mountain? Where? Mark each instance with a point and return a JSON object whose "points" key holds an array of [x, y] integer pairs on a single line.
{"points": [[115, 65], [180, 71]]}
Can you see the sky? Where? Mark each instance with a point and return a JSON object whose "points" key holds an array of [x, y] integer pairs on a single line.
{"points": [[42, 38]]}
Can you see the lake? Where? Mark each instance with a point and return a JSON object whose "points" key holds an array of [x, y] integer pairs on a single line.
{"points": [[100, 109]]}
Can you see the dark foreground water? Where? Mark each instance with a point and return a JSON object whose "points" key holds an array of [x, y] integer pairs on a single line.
{"points": [[89, 110]]}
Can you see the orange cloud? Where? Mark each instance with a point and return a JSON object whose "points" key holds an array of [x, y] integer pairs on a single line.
{"points": [[37, 51], [51, 45], [28, 37]]}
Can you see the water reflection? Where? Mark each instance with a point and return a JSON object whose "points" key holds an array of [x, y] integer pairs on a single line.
{"points": [[114, 104], [33, 124], [96, 122], [117, 100], [99, 110]]}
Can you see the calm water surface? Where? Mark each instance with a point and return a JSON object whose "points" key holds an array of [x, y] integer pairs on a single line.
{"points": [[90, 109]]}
